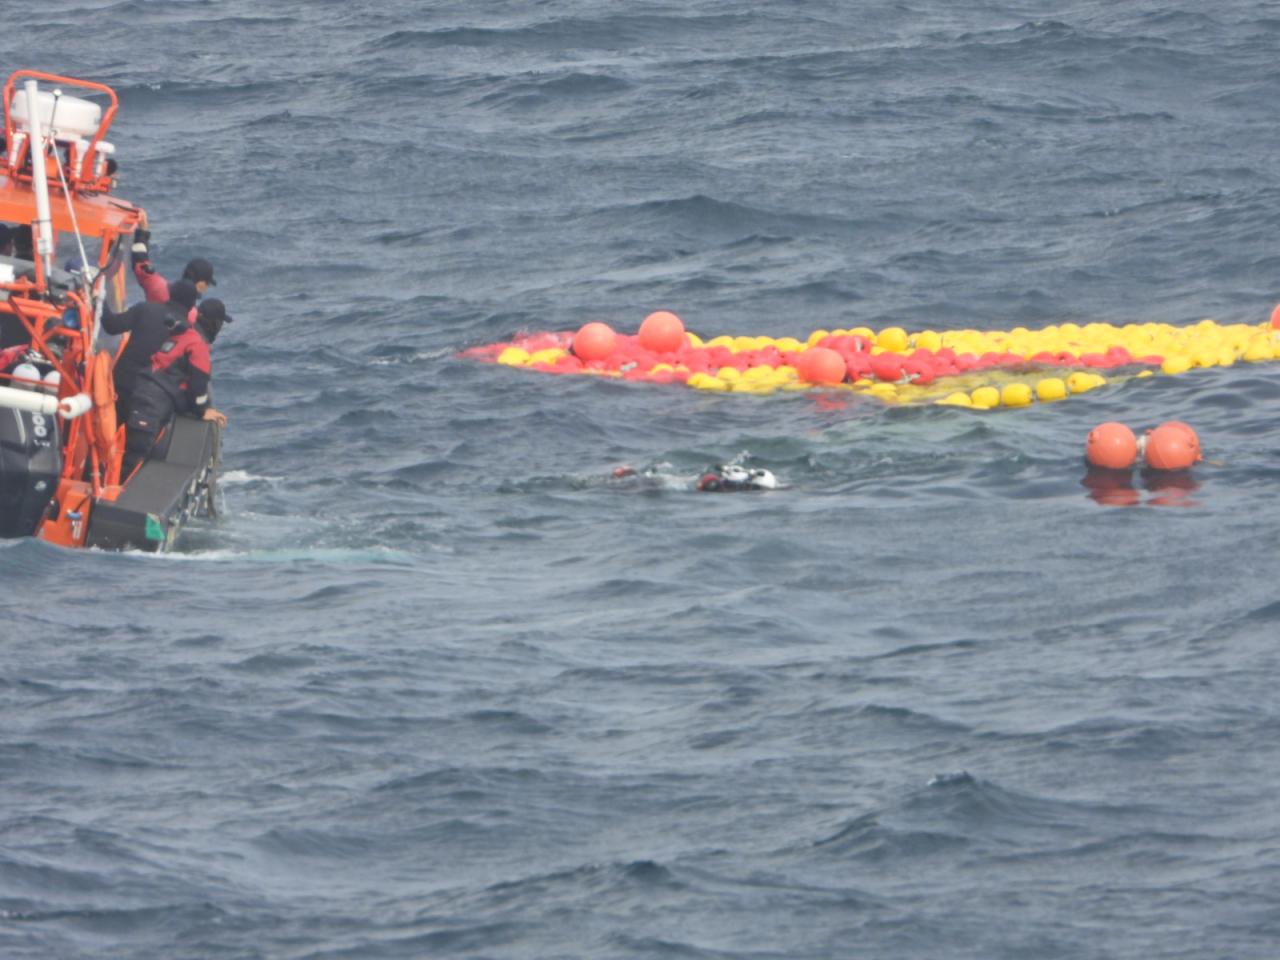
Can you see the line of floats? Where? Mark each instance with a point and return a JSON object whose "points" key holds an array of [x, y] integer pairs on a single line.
{"points": [[969, 368]]}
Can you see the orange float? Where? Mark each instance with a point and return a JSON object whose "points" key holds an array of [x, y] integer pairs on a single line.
{"points": [[1171, 446], [821, 365], [594, 341], [662, 332], [1191, 434], [1111, 445]]}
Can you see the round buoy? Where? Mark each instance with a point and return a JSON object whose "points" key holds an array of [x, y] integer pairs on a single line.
{"points": [[1111, 445], [1050, 389], [892, 338], [594, 341], [1191, 434], [985, 397], [821, 365], [1172, 446], [662, 332], [1016, 395]]}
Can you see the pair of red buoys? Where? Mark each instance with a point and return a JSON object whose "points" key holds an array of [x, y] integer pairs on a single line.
{"points": [[661, 332], [1170, 446]]}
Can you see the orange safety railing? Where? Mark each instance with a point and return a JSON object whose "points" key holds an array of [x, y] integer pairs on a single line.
{"points": [[16, 161]]}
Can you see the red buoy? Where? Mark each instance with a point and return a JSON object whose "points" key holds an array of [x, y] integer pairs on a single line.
{"points": [[1275, 318], [662, 332], [821, 365], [1111, 445], [594, 341], [887, 367], [1191, 434], [1172, 446]]}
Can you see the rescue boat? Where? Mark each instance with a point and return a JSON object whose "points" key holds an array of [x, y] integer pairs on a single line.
{"points": [[60, 443]]}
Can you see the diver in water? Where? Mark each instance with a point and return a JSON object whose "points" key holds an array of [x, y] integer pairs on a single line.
{"points": [[726, 478], [731, 478]]}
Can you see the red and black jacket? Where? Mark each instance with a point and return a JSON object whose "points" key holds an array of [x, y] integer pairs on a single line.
{"points": [[182, 368]]}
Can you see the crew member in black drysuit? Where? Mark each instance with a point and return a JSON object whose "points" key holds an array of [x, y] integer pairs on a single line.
{"points": [[175, 381], [148, 325]]}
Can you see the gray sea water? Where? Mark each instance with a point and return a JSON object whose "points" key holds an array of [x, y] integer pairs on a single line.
{"points": [[435, 686]]}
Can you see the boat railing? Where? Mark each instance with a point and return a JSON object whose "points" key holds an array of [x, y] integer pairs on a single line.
{"points": [[87, 165]]}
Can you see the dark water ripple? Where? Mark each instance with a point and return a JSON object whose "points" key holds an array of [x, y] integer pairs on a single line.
{"points": [[437, 685]]}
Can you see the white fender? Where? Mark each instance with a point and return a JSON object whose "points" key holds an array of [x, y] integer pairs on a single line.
{"points": [[76, 405]]}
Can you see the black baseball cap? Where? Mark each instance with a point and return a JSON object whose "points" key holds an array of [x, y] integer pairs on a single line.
{"points": [[214, 310], [199, 269]]}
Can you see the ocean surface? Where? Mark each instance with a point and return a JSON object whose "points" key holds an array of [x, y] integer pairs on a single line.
{"points": [[436, 685]]}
